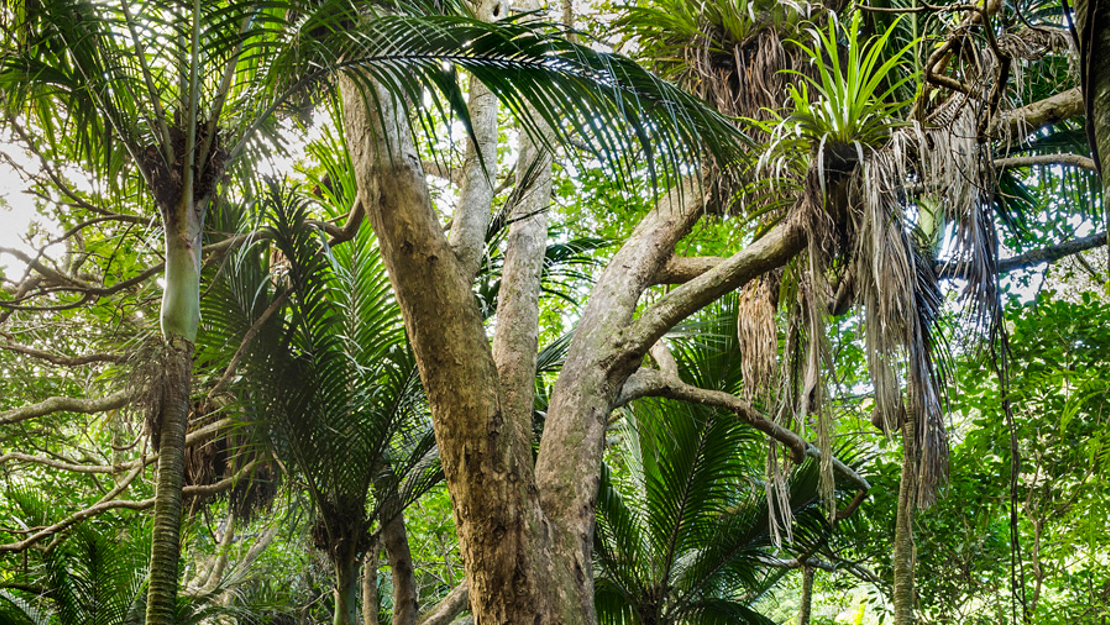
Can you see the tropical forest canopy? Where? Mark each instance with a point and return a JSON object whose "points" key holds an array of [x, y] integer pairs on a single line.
{"points": [[646, 312]]}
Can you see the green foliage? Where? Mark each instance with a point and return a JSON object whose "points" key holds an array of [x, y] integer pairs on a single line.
{"points": [[849, 103]]}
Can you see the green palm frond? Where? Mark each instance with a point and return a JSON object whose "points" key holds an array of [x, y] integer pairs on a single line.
{"points": [[683, 531], [131, 83], [330, 386]]}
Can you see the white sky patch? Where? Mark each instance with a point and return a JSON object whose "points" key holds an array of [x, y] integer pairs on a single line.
{"points": [[17, 211]]}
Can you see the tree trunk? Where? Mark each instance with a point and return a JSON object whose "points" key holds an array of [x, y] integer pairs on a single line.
{"points": [[903, 533], [406, 604], [806, 603], [370, 585], [346, 589], [180, 317], [487, 458]]}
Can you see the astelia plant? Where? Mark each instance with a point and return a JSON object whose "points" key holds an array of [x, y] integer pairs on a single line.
{"points": [[849, 103]]}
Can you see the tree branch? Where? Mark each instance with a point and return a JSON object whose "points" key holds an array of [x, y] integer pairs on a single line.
{"points": [[652, 383], [58, 464], [1023, 121], [1071, 160], [58, 359], [108, 503], [682, 269], [1052, 253], [772, 250], [448, 608], [66, 404]]}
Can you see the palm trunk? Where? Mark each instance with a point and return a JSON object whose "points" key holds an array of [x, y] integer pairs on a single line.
{"points": [[805, 608], [346, 589], [903, 533], [180, 318]]}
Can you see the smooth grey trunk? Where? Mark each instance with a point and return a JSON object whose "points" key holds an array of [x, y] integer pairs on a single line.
{"points": [[516, 339], [903, 533], [472, 215]]}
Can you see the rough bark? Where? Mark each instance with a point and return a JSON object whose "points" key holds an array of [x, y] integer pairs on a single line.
{"points": [[903, 533], [166, 535], [406, 604], [486, 457], [806, 601]]}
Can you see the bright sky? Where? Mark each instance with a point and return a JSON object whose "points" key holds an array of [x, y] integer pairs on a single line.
{"points": [[17, 211]]}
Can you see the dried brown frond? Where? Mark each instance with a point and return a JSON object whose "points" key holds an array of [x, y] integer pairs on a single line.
{"points": [[757, 332], [159, 369], [340, 527]]}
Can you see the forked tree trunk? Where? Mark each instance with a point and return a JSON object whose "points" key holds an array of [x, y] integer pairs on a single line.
{"points": [[487, 460], [180, 317], [903, 533]]}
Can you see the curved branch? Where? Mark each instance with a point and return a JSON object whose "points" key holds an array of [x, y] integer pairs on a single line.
{"points": [[772, 250], [652, 383], [1072, 160], [58, 464], [1025, 120], [91, 405], [58, 359], [108, 503], [1052, 253], [448, 608]]}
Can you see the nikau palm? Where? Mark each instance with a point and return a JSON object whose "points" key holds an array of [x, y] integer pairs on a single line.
{"points": [[328, 383], [170, 98]]}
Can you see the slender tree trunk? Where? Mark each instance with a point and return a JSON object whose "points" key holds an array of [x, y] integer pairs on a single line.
{"points": [[903, 533], [1092, 21], [406, 604], [806, 603], [370, 585], [346, 589], [180, 317]]}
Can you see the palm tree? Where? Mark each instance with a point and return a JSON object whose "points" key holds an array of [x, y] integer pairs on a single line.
{"points": [[165, 99], [685, 532], [327, 382]]}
